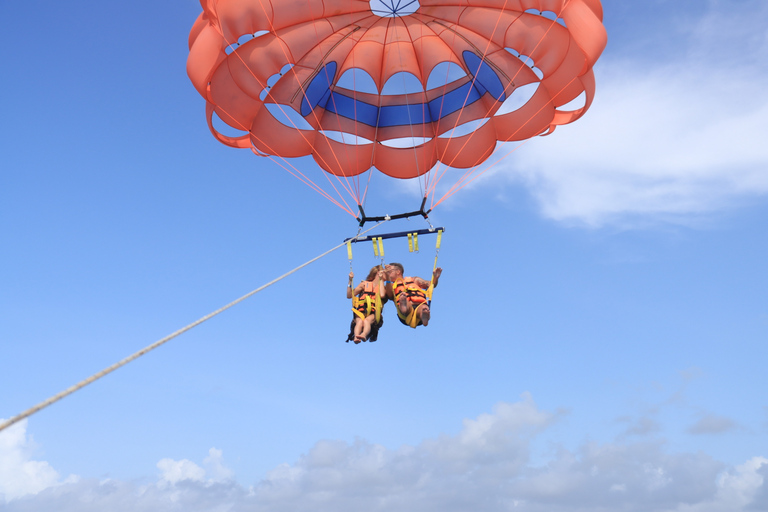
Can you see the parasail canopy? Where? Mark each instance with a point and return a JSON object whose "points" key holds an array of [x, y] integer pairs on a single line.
{"points": [[397, 85]]}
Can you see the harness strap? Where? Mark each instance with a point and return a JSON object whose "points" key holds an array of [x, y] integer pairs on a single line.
{"points": [[371, 301], [411, 319]]}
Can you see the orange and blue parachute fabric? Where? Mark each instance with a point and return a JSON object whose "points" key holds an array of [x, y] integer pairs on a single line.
{"points": [[398, 85]]}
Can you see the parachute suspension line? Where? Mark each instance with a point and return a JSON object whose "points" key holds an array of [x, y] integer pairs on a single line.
{"points": [[245, 64], [483, 54], [360, 197], [298, 174], [437, 168], [423, 182], [291, 169], [355, 179], [465, 179], [511, 84], [311, 184], [362, 218], [427, 174], [461, 182], [408, 108], [317, 70], [455, 188], [55, 398], [422, 68], [353, 190], [421, 212], [373, 152]]}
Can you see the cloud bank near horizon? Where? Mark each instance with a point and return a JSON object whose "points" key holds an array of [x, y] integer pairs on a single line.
{"points": [[487, 465]]}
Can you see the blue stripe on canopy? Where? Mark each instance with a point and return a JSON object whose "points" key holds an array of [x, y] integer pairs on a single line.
{"points": [[353, 109], [403, 115], [484, 75], [455, 100], [318, 93], [399, 115]]}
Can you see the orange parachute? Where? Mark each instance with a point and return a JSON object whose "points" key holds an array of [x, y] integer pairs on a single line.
{"points": [[396, 85]]}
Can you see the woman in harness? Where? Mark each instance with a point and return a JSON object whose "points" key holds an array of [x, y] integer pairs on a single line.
{"points": [[367, 302], [412, 295]]}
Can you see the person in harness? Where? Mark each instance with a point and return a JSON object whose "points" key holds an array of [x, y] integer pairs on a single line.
{"points": [[411, 294], [368, 299]]}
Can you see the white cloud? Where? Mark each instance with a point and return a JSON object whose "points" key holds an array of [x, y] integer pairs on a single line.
{"points": [[173, 471], [737, 489], [486, 466], [19, 474], [741, 485], [668, 141]]}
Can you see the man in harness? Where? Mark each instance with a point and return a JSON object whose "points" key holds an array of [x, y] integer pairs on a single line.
{"points": [[411, 294]]}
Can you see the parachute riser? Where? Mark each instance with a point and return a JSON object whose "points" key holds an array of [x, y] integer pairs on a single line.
{"points": [[362, 218]]}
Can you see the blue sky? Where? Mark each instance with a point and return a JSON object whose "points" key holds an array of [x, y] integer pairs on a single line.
{"points": [[598, 336]]}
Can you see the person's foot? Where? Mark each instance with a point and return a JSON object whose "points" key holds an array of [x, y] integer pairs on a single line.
{"points": [[358, 339], [402, 303], [425, 315]]}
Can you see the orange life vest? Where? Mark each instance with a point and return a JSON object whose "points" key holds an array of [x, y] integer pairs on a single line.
{"points": [[368, 302], [408, 286]]}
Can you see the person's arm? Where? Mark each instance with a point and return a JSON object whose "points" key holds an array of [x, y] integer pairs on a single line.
{"points": [[349, 285], [423, 284], [382, 278], [436, 275]]}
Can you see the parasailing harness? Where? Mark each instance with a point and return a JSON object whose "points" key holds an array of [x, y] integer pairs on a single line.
{"points": [[371, 301]]}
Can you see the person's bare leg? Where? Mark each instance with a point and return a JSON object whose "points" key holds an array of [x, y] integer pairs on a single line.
{"points": [[359, 329], [424, 314], [367, 323]]}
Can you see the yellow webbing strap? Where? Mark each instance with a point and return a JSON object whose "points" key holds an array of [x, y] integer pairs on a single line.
{"points": [[349, 249], [378, 306], [357, 301], [413, 242], [410, 320], [437, 252], [437, 246], [378, 247]]}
